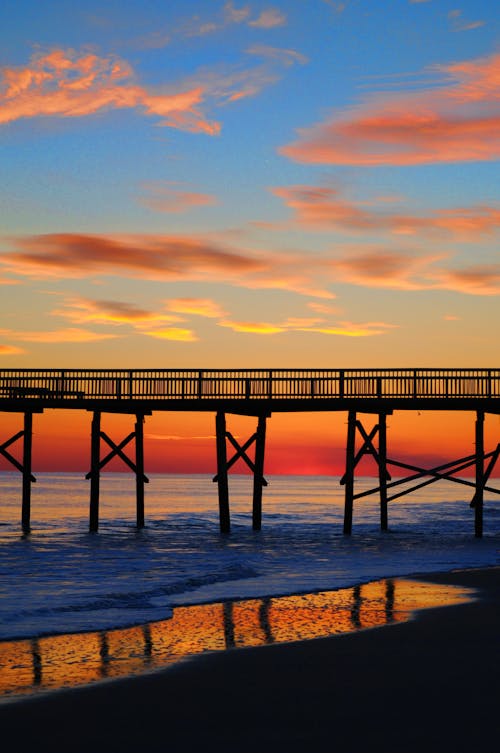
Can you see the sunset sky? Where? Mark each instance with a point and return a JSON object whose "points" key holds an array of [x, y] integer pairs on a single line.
{"points": [[204, 183]]}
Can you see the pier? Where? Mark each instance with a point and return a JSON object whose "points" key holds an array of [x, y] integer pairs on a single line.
{"points": [[368, 396]]}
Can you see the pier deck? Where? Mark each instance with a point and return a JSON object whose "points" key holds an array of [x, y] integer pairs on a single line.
{"points": [[258, 393]]}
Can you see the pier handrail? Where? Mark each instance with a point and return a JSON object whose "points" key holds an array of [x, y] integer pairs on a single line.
{"points": [[246, 384]]}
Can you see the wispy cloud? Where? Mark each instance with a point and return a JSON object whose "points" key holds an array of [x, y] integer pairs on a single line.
{"points": [[459, 23], [269, 19], [69, 335], [87, 311], [184, 258], [160, 257], [173, 333], [165, 196], [10, 350], [205, 307], [284, 56], [325, 207], [66, 83], [434, 124], [402, 271], [341, 329]]}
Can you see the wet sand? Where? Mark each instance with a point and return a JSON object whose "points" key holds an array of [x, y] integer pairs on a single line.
{"points": [[426, 685]]}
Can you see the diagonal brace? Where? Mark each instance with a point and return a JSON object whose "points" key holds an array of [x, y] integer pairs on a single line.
{"points": [[11, 459], [241, 452], [117, 450]]}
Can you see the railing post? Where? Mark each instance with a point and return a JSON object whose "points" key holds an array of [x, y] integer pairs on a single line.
{"points": [[341, 383]]}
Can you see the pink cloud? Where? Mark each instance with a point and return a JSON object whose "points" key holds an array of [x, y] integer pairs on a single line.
{"points": [[324, 207], [165, 197], [432, 125], [65, 83], [86, 311]]}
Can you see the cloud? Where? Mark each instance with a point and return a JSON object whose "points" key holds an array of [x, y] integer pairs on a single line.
{"points": [[324, 207], [457, 23], [255, 328], [432, 125], [196, 306], [341, 329], [160, 257], [66, 83], [401, 271], [269, 19], [173, 333], [10, 350], [285, 56], [87, 311], [67, 255], [70, 335], [162, 196]]}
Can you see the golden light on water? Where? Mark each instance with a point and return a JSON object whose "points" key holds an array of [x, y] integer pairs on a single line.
{"points": [[42, 664]]}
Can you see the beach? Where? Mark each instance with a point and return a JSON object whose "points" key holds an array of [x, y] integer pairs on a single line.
{"points": [[427, 684]]}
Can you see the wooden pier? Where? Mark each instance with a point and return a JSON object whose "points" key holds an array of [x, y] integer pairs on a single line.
{"points": [[258, 393]]}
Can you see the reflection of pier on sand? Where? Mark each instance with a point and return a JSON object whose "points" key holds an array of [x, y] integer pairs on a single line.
{"points": [[54, 662]]}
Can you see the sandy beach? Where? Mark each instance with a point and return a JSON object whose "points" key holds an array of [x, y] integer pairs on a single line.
{"points": [[428, 684]]}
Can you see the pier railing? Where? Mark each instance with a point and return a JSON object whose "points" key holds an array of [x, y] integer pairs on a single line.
{"points": [[254, 384]]}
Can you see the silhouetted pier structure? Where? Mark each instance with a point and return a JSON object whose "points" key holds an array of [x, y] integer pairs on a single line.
{"points": [[258, 393]]}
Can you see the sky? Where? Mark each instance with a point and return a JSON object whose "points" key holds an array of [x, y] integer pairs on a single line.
{"points": [[211, 184]]}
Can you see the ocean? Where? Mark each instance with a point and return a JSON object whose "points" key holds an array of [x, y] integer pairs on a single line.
{"points": [[61, 579], [79, 608]]}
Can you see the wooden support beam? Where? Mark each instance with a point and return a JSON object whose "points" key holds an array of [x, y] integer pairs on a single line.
{"points": [[258, 474], [95, 471], [349, 471], [139, 469], [222, 479], [479, 494], [382, 469], [27, 475], [24, 466]]}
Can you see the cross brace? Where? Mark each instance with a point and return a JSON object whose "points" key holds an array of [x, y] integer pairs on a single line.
{"points": [[26, 434], [223, 466], [97, 464]]}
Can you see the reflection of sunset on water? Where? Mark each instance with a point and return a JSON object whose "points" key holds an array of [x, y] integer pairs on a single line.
{"points": [[61, 661]]}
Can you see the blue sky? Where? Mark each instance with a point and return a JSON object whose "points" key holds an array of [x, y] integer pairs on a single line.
{"points": [[313, 182]]}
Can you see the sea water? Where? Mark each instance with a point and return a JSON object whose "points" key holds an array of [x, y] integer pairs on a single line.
{"points": [[62, 579]]}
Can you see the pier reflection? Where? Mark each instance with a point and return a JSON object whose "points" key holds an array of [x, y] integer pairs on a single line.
{"points": [[27, 666]]}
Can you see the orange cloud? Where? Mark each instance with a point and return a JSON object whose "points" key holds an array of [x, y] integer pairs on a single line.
{"points": [[10, 350], [65, 83], [163, 197], [172, 257], [429, 126], [255, 328], [173, 333], [323, 207], [70, 335], [159, 257], [343, 329], [196, 306], [85, 311], [400, 271]]}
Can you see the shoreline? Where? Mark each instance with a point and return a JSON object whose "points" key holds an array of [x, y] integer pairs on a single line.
{"points": [[439, 667]]}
